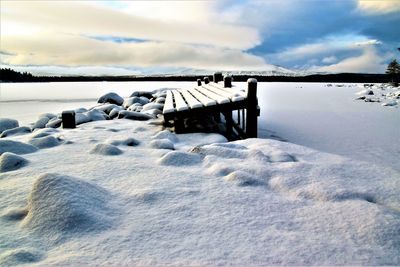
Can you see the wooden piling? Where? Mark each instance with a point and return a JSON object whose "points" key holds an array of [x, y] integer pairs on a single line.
{"points": [[228, 81], [252, 112], [198, 82], [206, 80], [217, 77], [68, 119]]}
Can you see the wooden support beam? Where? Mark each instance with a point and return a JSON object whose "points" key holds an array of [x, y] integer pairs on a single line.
{"points": [[228, 123], [252, 103]]}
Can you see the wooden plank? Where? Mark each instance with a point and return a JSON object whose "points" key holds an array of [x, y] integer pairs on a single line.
{"points": [[206, 101], [169, 103], [237, 94], [180, 104], [231, 95], [219, 98], [192, 102]]}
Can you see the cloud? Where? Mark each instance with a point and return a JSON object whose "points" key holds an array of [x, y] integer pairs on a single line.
{"points": [[25, 17], [72, 50], [329, 60], [379, 6], [368, 62]]}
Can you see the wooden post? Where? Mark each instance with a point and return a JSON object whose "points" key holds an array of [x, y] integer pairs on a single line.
{"points": [[206, 80], [68, 119], [198, 82], [228, 124], [227, 81], [217, 77], [252, 103]]}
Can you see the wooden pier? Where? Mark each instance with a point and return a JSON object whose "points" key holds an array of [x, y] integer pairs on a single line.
{"points": [[239, 107]]}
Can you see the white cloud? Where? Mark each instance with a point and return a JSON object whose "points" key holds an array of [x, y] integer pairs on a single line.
{"points": [[368, 62], [72, 50], [329, 60], [88, 18], [379, 6]]}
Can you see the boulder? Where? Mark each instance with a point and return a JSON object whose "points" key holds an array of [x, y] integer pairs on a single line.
{"points": [[114, 112], [15, 131], [111, 98], [10, 162], [40, 123], [106, 108], [16, 147], [6, 124], [153, 106], [142, 93], [133, 115], [54, 123]]}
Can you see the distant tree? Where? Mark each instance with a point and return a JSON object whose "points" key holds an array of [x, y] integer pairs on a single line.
{"points": [[9, 75], [393, 69]]}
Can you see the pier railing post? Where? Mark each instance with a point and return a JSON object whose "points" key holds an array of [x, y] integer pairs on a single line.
{"points": [[206, 80], [227, 81], [198, 82], [252, 111], [217, 77]]}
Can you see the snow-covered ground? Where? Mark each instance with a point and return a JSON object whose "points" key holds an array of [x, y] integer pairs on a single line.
{"points": [[90, 196], [125, 192]]}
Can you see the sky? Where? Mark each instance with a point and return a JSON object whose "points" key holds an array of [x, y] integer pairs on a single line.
{"points": [[150, 37]]}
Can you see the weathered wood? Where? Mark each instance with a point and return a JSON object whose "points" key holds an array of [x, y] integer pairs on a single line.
{"points": [[169, 103], [227, 81], [198, 82], [180, 104], [215, 99], [217, 77], [252, 102], [68, 119], [206, 80]]}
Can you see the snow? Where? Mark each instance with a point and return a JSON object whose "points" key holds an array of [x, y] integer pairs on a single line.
{"points": [[208, 202], [129, 192]]}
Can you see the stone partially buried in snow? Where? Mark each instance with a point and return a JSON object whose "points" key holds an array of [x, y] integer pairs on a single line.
{"points": [[106, 149], [40, 123], [241, 178], [20, 256], [153, 106], [6, 124], [162, 144], [143, 94], [135, 100], [133, 115], [45, 142], [60, 205], [54, 123], [16, 147], [111, 98], [177, 158], [16, 131], [126, 142], [10, 162]]}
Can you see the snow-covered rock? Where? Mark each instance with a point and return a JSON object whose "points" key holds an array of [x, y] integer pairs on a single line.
{"points": [[10, 161], [153, 106], [162, 144], [60, 205], [106, 150], [45, 142], [133, 115], [135, 99], [15, 131], [6, 124], [145, 94], [54, 123], [16, 147], [111, 98], [126, 142], [40, 123]]}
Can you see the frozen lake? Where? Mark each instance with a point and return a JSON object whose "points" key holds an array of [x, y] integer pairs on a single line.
{"points": [[310, 114]]}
